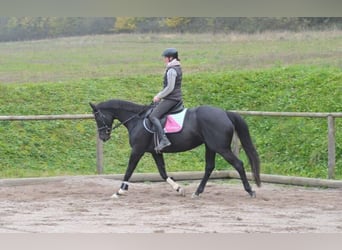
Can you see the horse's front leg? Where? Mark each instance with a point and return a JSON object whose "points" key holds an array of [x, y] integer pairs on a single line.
{"points": [[132, 163], [159, 159]]}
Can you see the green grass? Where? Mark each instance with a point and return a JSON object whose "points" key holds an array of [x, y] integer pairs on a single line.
{"points": [[283, 72], [67, 59]]}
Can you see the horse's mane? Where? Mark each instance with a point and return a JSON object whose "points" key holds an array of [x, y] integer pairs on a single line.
{"points": [[121, 104]]}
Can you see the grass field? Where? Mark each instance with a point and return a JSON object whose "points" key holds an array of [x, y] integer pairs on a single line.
{"points": [[266, 72], [67, 59]]}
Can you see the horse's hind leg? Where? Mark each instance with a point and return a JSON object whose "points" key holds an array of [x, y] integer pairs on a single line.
{"points": [[238, 165], [210, 165], [159, 159]]}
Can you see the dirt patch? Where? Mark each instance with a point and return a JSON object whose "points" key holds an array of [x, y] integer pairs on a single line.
{"points": [[84, 205]]}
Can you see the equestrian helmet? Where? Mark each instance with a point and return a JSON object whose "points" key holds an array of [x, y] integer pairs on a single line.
{"points": [[170, 52]]}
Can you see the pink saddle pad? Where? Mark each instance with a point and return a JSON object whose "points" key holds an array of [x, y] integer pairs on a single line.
{"points": [[174, 122]]}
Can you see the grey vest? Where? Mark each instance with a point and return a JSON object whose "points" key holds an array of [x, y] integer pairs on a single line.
{"points": [[176, 94]]}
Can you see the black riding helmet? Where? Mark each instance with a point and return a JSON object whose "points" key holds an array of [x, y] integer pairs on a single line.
{"points": [[170, 52]]}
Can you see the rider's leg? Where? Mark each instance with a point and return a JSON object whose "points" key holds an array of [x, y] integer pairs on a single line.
{"points": [[164, 141], [163, 107]]}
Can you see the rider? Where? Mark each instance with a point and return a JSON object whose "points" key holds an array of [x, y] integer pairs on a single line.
{"points": [[169, 96]]}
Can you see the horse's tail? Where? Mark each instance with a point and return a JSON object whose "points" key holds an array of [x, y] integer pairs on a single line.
{"points": [[242, 130]]}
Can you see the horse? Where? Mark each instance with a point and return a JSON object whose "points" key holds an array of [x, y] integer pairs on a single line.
{"points": [[208, 125]]}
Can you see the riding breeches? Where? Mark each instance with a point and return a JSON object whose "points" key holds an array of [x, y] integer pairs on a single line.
{"points": [[162, 108]]}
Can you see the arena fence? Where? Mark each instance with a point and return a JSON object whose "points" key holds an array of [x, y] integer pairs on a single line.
{"points": [[99, 145]]}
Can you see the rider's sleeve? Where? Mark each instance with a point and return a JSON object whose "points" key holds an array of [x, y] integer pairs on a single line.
{"points": [[171, 80]]}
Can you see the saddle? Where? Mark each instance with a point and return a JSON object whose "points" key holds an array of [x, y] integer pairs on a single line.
{"points": [[172, 122]]}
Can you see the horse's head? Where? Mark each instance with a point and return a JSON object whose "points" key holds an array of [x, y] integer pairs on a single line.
{"points": [[103, 121]]}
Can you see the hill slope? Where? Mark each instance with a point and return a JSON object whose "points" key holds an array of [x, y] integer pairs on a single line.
{"points": [[290, 146]]}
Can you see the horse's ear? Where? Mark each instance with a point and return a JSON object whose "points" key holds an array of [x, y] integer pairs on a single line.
{"points": [[93, 106]]}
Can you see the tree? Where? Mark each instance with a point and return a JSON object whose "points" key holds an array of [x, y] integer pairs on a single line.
{"points": [[177, 23], [125, 24]]}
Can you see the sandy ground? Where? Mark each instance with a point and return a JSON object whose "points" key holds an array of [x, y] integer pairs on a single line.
{"points": [[84, 205]]}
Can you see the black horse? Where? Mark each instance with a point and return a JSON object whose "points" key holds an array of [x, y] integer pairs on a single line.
{"points": [[204, 124]]}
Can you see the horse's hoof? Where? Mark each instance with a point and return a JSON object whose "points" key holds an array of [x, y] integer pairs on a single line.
{"points": [[115, 196], [182, 192], [195, 196], [252, 194]]}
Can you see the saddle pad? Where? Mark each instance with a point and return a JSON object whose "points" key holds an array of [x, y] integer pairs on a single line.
{"points": [[174, 122]]}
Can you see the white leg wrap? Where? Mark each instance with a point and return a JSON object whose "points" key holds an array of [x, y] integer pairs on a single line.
{"points": [[123, 189], [174, 185]]}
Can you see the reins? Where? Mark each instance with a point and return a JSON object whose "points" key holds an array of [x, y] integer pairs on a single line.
{"points": [[105, 126]]}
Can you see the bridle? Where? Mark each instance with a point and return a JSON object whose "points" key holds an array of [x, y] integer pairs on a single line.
{"points": [[101, 117]]}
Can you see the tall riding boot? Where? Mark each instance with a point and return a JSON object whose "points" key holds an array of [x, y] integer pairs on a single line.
{"points": [[164, 141]]}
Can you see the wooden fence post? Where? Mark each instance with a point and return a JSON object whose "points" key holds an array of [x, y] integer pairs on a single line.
{"points": [[99, 154], [236, 145], [331, 147]]}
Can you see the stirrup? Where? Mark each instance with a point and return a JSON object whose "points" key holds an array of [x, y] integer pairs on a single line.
{"points": [[161, 146]]}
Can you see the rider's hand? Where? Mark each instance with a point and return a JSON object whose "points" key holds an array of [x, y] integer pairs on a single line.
{"points": [[156, 99]]}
